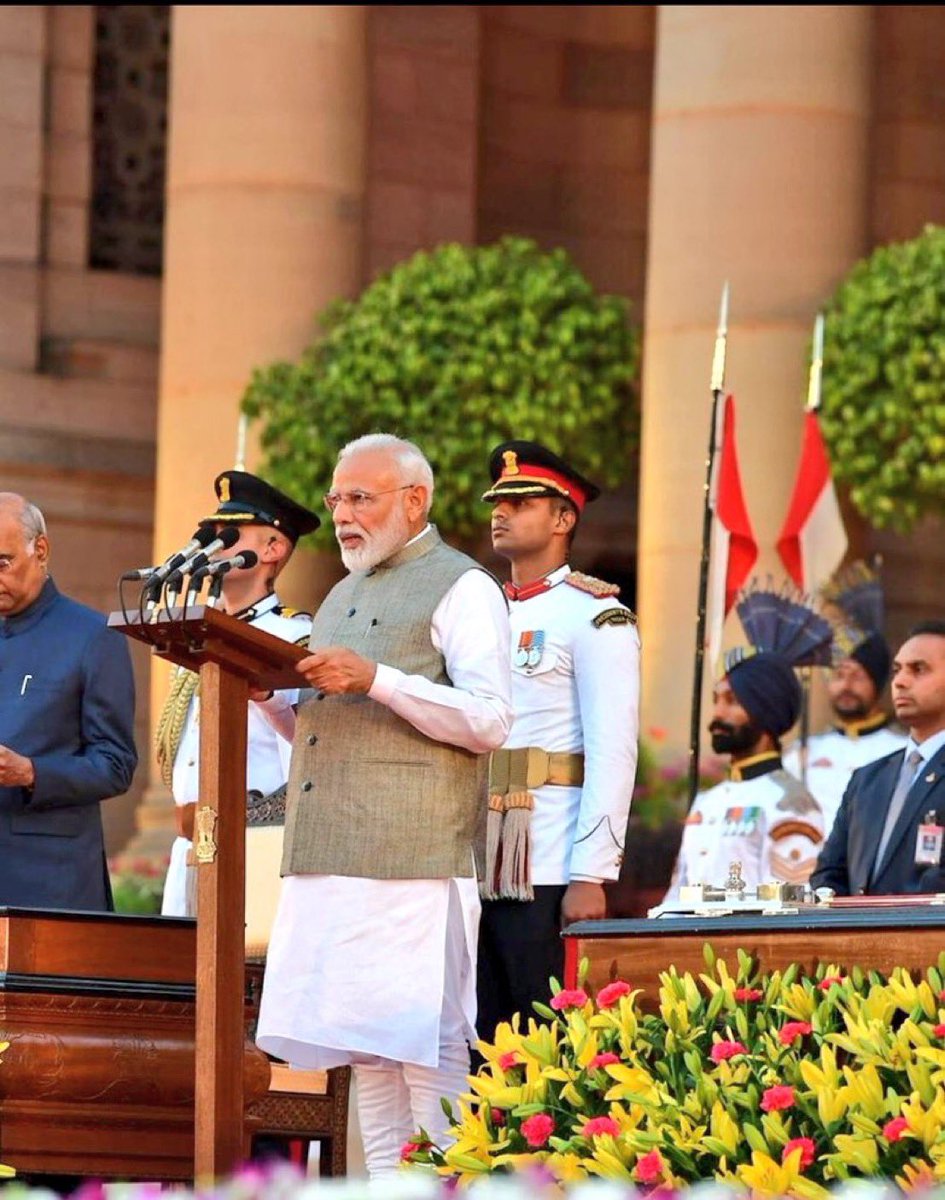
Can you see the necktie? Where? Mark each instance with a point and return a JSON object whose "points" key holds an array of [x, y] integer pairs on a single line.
{"points": [[906, 779]]}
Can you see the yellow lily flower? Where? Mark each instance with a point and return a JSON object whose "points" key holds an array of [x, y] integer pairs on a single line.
{"points": [[567, 1167], [768, 1178], [858, 1152], [630, 1081]]}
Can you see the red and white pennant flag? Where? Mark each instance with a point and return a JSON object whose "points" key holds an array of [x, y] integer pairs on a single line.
{"points": [[733, 547], [813, 540]]}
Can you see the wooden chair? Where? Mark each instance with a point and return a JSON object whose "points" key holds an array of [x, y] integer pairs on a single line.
{"points": [[301, 1107]]}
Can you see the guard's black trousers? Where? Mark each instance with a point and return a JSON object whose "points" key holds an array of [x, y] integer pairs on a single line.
{"points": [[520, 948]]}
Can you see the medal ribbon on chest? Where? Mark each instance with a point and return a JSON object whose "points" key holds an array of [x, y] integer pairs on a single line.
{"points": [[531, 646]]}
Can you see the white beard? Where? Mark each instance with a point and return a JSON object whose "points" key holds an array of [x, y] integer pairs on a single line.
{"points": [[377, 546]]}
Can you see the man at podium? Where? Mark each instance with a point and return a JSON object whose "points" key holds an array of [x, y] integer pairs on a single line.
{"points": [[67, 701], [270, 524], [373, 950]]}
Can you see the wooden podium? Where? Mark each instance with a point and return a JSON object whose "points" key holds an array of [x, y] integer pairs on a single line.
{"points": [[870, 935], [232, 657]]}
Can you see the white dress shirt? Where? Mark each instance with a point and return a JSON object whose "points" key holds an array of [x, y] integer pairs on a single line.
{"points": [[357, 966]]}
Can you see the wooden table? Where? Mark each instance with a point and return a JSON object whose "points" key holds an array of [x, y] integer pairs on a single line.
{"points": [[878, 936]]}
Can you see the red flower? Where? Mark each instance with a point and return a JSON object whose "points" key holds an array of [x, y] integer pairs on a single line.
{"points": [[650, 1167], [410, 1148], [610, 994], [747, 993], [806, 1147], [723, 1050], [791, 1030], [498, 1117], [894, 1129], [597, 1126], [939, 1030], [602, 1060], [827, 983], [537, 1129], [573, 998], [778, 1097], [941, 995], [508, 1060]]}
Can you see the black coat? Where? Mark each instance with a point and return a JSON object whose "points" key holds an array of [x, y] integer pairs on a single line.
{"points": [[846, 861]]}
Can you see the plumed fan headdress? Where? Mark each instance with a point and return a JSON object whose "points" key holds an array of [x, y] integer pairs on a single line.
{"points": [[784, 632], [856, 591]]}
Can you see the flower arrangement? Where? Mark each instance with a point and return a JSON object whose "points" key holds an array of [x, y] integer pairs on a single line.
{"points": [[777, 1084]]}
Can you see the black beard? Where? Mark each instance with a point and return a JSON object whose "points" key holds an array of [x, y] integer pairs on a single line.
{"points": [[852, 709], [734, 739]]}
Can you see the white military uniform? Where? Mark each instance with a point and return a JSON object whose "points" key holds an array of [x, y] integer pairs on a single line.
{"points": [[267, 754], [767, 822], [833, 756], [576, 688]]}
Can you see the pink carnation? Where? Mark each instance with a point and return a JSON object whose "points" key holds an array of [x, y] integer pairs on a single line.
{"points": [[778, 1097], [650, 1167], [537, 1129], [610, 994], [602, 1060], [498, 1117], [747, 993], [939, 1030], [828, 982], [598, 1126], [806, 1147], [508, 1060], [723, 1050], [573, 998], [894, 1129], [791, 1030]]}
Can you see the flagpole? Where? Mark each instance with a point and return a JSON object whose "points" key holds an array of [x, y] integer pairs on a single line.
{"points": [[717, 385], [814, 381]]}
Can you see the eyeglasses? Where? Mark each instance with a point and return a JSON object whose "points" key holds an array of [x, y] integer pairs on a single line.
{"points": [[358, 501]]}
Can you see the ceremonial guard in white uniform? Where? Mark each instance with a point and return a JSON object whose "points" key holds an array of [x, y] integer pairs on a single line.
{"points": [[761, 818], [862, 732], [270, 525], [560, 788]]}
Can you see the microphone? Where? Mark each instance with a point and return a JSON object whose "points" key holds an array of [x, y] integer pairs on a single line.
{"points": [[202, 537], [227, 537], [239, 562]]}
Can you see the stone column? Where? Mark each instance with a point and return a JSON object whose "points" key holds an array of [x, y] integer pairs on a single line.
{"points": [[264, 197], [759, 176]]}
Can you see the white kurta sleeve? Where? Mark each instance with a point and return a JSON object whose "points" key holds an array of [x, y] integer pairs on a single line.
{"points": [[279, 712], [470, 628], [607, 674]]}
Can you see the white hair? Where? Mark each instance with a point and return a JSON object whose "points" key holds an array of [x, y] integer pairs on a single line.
{"points": [[31, 519], [411, 462]]}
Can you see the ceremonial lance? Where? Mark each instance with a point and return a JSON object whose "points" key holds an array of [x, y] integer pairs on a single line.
{"points": [[814, 380], [717, 384]]}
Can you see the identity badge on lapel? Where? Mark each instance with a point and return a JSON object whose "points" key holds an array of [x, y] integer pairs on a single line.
{"points": [[928, 841]]}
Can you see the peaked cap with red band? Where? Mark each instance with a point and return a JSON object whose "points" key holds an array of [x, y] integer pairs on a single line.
{"points": [[530, 469]]}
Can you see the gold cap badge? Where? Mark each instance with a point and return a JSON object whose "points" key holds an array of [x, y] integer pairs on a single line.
{"points": [[224, 490], [510, 459]]}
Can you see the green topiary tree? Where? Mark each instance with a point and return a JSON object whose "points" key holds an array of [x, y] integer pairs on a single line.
{"points": [[883, 410], [459, 349]]}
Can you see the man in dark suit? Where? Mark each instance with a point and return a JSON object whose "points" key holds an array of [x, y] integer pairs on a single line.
{"points": [[66, 727], [889, 832]]}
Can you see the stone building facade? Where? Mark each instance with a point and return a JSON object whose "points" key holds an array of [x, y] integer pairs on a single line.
{"points": [[310, 147]]}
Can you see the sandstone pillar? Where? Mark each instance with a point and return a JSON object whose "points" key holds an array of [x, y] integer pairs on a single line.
{"points": [[759, 176], [264, 196]]}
